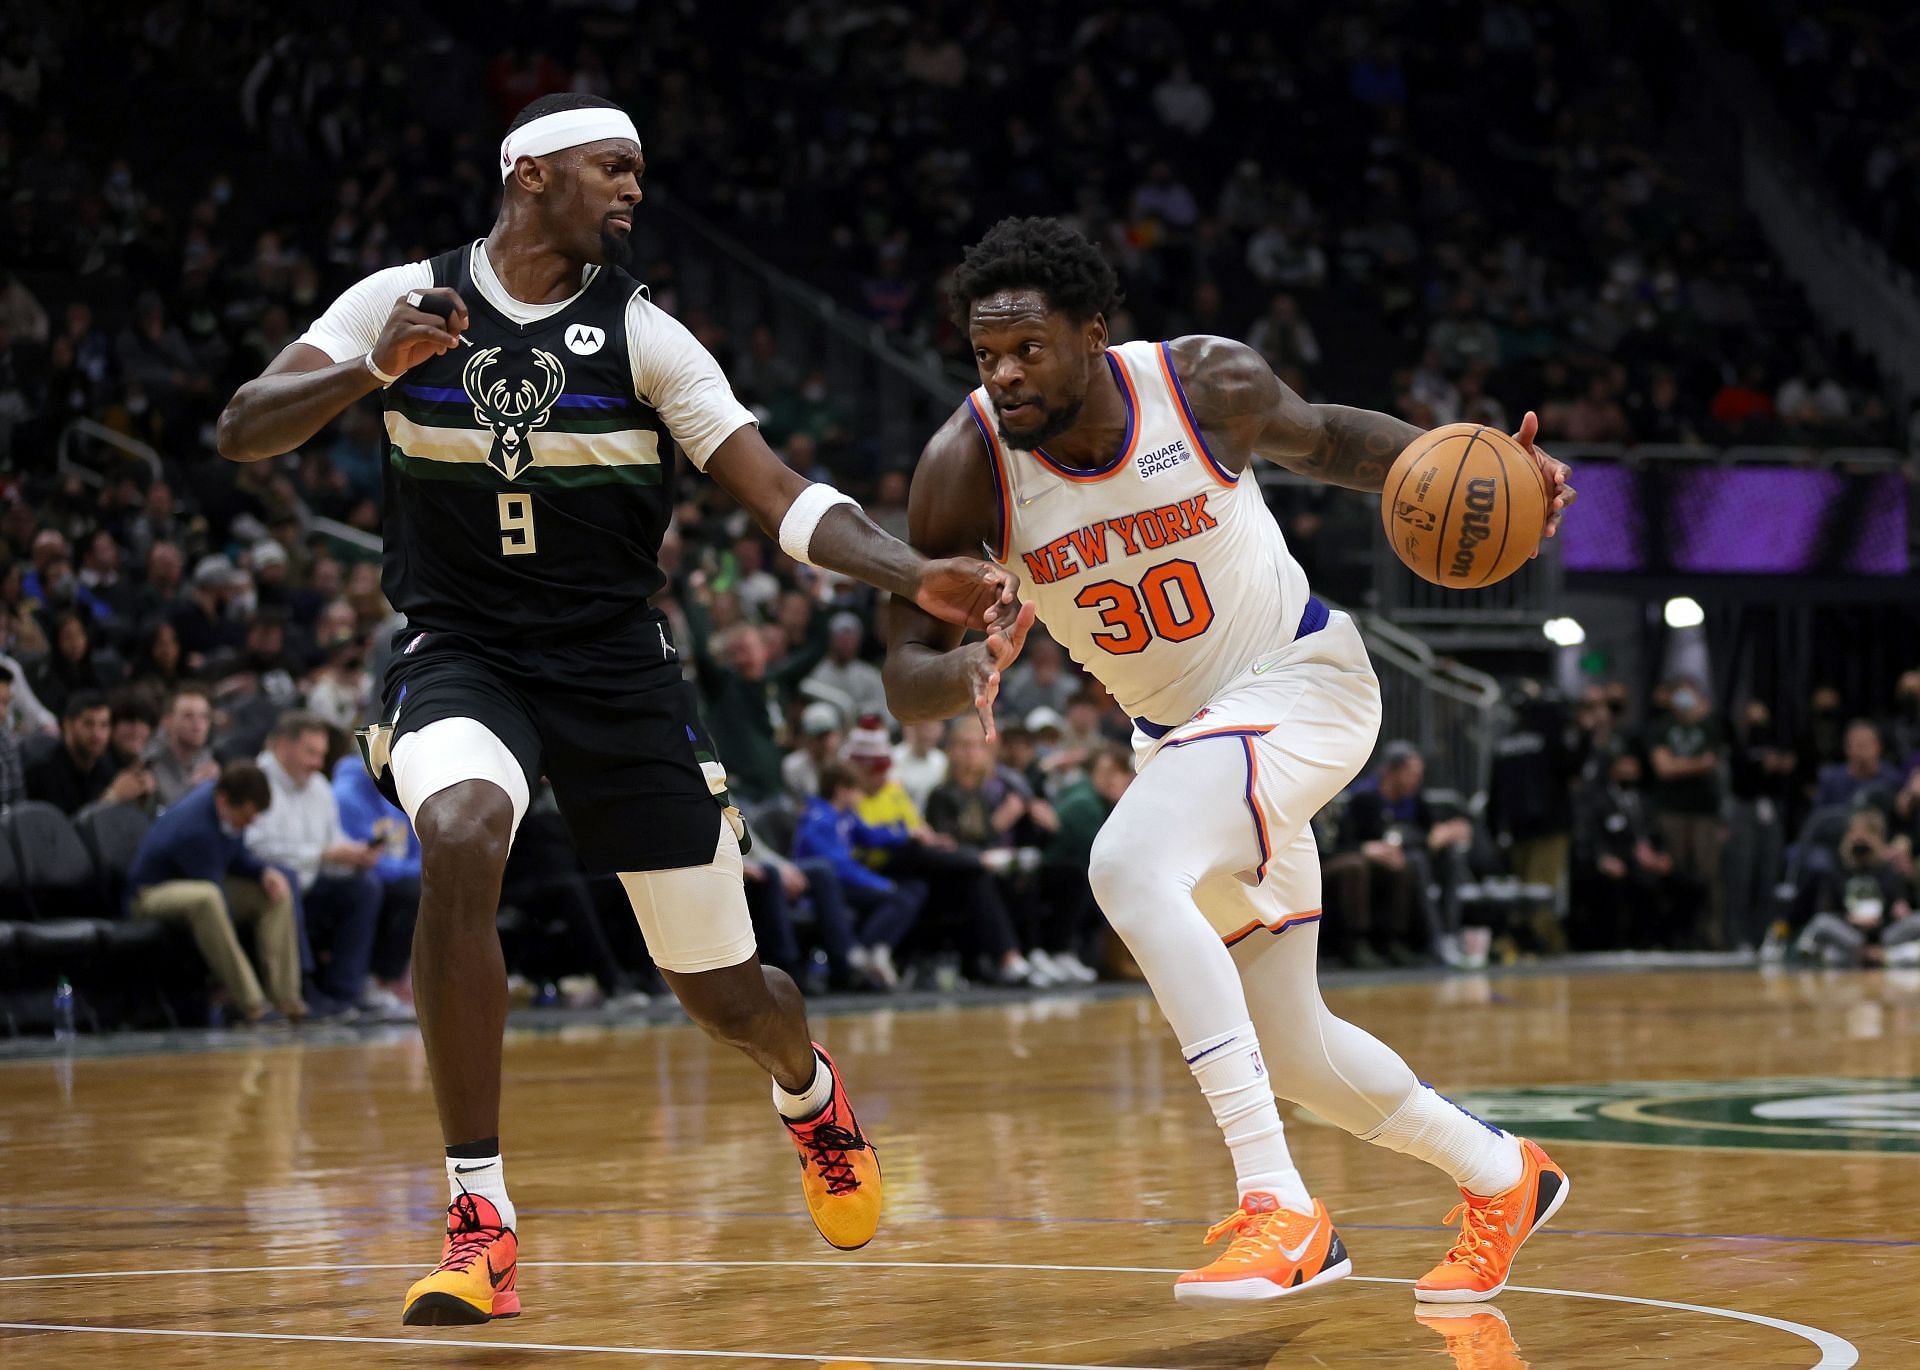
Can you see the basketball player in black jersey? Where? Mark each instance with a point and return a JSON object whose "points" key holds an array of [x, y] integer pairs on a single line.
{"points": [[530, 391]]}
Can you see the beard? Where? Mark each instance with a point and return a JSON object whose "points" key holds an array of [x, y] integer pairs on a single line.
{"points": [[1053, 423], [616, 249]]}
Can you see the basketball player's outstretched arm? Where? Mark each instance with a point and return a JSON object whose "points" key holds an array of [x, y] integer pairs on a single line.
{"points": [[929, 674], [960, 590], [1250, 412]]}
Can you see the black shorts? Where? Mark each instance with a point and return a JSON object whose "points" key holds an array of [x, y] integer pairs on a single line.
{"points": [[623, 755]]}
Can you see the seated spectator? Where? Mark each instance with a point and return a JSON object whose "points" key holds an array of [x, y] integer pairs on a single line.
{"points": [[963, 890], [819, 747], [572, 922], [81, 770], [339, 894], [1625, 889], [194, 867], [1389, 824], [843, 679], [13, 780], [1040, 679], [199, 618], [25, 715], [72, 665], [988, 809], [368, 816], [1864, 777], [1080, 808], [134, 718], [179, 755], [342, 689], [918, 763], [830, 831], [1863, 911]]}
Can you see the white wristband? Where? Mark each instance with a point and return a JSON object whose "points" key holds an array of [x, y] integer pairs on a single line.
{"points": [[374, 367], [804, 515]]}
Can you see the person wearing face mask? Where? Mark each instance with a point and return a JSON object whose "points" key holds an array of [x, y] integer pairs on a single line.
{"points": [[1822, 738], [1624, 891], [1688, 748], [1865, 907], [1761, 765]]}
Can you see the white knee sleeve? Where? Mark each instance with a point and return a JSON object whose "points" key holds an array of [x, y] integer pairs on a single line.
{"points": [[695, 918], [449, 751]]}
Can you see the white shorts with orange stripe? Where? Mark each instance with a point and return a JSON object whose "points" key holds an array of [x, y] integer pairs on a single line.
{"points": [[1248, 772]]}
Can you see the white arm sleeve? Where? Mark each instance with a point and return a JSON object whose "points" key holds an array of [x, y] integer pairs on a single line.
{"points": [[352, 323], [677, 376]]}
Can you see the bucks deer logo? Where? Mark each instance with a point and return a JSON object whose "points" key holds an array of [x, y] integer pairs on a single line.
{"points": [[512, 407]]}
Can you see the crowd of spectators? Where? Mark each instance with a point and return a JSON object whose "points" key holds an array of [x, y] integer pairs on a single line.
{"points": [[195, 639], [1843, 75], [1662, 826]]}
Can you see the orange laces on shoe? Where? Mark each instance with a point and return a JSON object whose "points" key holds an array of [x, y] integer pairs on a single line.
{"points": [[1480, 1231], [1259, 1229], [827, 1145], [470, 1238]]}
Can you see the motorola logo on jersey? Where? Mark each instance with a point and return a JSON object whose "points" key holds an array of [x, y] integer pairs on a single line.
{"points": [[585, 340], [512, 406]]}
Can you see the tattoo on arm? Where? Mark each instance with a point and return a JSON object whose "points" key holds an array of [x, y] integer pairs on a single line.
{"points": [[1356, 449]]}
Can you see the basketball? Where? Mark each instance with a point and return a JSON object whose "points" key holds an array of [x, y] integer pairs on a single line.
{"points": [[1464, 506]]}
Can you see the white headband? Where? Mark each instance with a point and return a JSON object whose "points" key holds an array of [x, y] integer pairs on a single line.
{"points": [[568, 128]]}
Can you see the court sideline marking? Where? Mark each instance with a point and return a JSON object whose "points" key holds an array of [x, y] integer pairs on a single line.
{"points": [[1836, 1352]]}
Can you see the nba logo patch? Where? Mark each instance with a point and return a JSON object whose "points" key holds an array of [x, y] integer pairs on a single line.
{"points": [[585, 339]]}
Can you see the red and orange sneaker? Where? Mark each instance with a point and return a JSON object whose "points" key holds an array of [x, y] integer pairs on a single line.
{"points": [[1492, 1230], [839, 1169], [475, 1280], [1477, 1336], [1275, 1251]]}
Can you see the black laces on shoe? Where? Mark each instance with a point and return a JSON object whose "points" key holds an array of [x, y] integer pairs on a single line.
{"points": [[827, 1146], [468, 1237]]}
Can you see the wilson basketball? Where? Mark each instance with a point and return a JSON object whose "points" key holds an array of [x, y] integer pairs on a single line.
{"points": [[1464, 506]]}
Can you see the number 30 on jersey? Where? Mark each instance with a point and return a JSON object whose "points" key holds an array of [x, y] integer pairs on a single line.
{"points": [[1169, 603]]}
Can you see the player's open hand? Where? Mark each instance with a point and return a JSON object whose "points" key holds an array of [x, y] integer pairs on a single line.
{"points": [[413, 334], [1000, 650], [1553, 473], [967, 591]]}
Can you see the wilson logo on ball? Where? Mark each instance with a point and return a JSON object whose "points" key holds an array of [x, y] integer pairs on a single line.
{"points": [[1477, 525]]}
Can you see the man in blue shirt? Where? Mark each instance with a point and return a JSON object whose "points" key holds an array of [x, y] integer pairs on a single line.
{"points": [[194, 867], [367, 816]]}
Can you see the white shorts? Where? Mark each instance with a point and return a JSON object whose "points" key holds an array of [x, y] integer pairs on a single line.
{"points": [[1271, 749]]}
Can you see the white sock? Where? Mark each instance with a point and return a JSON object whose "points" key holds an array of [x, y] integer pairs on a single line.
{"points": [[1234, 1079], [797, 1108], [485, 1176], [1482, 1159]]}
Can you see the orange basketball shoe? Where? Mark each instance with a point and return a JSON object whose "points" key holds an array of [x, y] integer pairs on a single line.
{"points": [[1478, 1337], [1274, 1252], [474, 1283], [839, 1169], [1492, 1229]]}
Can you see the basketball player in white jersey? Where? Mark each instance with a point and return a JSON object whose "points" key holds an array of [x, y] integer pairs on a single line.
{"points": [[1115, 482]]}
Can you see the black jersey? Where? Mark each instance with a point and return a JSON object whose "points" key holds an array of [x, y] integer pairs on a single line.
{"points": [[527, 488]]}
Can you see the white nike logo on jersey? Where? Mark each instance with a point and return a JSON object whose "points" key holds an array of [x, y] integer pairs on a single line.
{"points": [[1042, 495]]}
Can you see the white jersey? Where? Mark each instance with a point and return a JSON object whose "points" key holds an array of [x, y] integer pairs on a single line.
{"points": [[1161, 572]]}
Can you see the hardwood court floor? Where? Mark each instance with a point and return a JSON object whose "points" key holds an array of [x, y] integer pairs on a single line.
{"points": [[1744, 1152]]}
